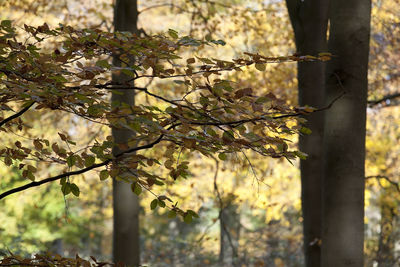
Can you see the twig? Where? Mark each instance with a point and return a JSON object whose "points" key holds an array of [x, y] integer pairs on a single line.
{"points": [[84, 170], [395, 184], [16, 115], [372, 103]]}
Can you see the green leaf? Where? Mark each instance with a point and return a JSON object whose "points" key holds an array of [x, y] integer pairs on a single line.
{"points": [[171, 214], [193, 213], [71, 161], [74, 189], [188, 218], [129, 73], [153, 204], [89, 161], [301, 155], [173, 33], [66, 189], [104, 175], [225, 85], [6, 23], [222, 156], [136, 188], [161, 203], [219, 42], [103, 64], [260, 67], [305, 130]]}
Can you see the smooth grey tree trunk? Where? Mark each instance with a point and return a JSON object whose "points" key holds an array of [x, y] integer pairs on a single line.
{"points": [[344, 134], [126, 204], [309, 20]]}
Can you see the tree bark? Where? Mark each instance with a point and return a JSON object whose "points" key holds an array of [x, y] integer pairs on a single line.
{"points": [[309, 20], [229, 235], [344, 134], [126, 247], [385, 254]]}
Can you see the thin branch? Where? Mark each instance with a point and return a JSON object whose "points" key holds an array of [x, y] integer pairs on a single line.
{"points": [[261, 118], [372, 103], [395, 184], [16, 115], [161, 5], [84, 170]]}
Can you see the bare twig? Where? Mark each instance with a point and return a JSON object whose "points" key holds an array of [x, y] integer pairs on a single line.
{"points": [[372, 103], [395, 184]]}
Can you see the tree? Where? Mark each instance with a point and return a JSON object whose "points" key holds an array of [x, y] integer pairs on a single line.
{"points": [[126, 241], [310, 20], [344, 137], [343, 153]]}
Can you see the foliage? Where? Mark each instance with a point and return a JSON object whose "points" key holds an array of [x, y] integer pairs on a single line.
{"points": [[211, 117], [53, 260]]}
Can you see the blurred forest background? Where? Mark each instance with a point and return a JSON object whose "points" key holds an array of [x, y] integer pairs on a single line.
{"points": [[249, 208]]}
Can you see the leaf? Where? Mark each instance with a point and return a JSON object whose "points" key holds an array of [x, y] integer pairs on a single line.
{"points": [[74, 189], [136, 188], [8, 161], [171, 214], [103, 64], [153, 204], [305, 130], [222, 156], [168, 164], [31, 168], [219, 42], [301, 155], [89, 161], [173, 33], [71, 161], [38, 145], [6, 23], [190, 60], [104, 175], [260, 67], [161, 203], [193, 213], [66, 189], [243, 92], [188, 218], [62, 136]]}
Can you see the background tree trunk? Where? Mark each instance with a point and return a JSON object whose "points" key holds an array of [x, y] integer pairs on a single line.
{"points": [[229, 235], [344, 134], [386, 253], [126, 204], [309, 20]]}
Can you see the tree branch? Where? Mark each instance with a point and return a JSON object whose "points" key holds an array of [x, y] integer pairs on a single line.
{"points": [[158, 140], [16, 115], [395, 184], [94, 166], [372, 103]]}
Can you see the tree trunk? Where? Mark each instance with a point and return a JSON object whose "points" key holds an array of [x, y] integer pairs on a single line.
{"points": [[309, 20], [229, 235], [385, 256], [126, 204], [344, 134]]}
